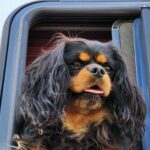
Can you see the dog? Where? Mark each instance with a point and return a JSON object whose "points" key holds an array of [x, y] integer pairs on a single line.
{"points": [[78, 96]]}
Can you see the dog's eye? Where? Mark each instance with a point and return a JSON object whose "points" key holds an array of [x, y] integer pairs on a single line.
{"points": [[108, 69], [76, 64]]}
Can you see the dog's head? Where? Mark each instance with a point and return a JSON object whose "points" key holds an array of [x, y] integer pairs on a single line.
{"points": [[90, 67], [86, 81]]}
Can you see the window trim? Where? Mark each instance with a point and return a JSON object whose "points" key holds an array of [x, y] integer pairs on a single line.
{"points": [[145, 34], [19, 28]]}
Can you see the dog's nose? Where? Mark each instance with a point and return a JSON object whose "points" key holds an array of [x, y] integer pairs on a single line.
{"points": [[96, 70]]}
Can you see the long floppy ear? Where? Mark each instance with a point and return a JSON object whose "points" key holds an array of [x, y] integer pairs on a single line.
{"points": [[43, 94], [128, 105]]}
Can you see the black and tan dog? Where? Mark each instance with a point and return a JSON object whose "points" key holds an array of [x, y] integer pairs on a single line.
{"points": [[79, 97]]}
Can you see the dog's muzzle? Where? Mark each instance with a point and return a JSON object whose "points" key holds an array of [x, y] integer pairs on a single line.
{"points": [[91, 79]]}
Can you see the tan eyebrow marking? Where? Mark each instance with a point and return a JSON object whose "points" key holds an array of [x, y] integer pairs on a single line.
{"points": [[101, 58], [84, 56]]}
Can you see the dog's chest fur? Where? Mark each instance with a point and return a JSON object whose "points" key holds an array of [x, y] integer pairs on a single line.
{"points": [[78, 119]]}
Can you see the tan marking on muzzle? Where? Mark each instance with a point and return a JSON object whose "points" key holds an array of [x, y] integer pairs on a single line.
{"points": [[105, 84], [81, 81]]}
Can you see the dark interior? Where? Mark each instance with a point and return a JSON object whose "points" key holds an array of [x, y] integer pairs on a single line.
{"points": [[41, 33]]}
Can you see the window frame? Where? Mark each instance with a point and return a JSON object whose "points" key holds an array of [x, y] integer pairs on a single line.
{"points": [[13, 68]]}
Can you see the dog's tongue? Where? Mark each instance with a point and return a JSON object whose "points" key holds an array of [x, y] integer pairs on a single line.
{"points": [[94, 91]]}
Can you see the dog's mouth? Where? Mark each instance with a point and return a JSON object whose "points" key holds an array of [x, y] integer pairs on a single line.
{"points": [[94, 90]]}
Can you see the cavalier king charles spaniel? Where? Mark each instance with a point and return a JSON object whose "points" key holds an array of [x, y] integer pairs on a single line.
{"points": [[78, 96]]}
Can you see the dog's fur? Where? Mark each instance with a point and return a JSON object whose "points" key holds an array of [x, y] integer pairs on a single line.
{"points": [[55, 113]]}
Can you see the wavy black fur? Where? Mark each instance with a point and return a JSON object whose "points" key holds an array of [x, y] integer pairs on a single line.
{"points": [[44, 97]]}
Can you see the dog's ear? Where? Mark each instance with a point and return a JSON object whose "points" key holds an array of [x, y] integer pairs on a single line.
{"points": [[43, 94], [128, 105]]}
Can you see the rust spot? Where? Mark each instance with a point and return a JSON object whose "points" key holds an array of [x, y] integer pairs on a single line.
{"points": [[84, 56], [101, 58]]}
